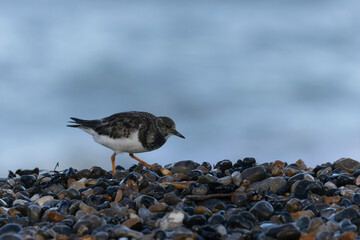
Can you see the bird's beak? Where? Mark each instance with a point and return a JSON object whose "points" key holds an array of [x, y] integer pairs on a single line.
{"points": [[176, 133]]}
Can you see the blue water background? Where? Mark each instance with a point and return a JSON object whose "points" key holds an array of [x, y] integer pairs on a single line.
{"points": [[274, 80]]}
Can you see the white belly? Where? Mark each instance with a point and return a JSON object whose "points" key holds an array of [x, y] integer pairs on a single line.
{"points": [[119, 145]]}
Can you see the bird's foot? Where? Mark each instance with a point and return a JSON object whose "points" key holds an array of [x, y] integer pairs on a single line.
{"points": [[142, 162]]}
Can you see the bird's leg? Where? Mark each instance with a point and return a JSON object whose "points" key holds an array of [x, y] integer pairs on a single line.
{"points": [[113, 163], [141, 161]]}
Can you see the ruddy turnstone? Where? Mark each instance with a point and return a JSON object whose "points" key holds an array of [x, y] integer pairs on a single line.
{"points": [[131, 132]]}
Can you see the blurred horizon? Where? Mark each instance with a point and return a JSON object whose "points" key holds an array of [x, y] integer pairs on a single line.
{"points": [[273, 81]]}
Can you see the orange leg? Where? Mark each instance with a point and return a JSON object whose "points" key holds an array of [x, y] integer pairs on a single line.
{"points": [[113, 163], [141, 161]]}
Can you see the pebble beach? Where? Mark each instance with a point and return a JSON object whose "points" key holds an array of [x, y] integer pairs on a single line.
{"points": [[184, 200]]}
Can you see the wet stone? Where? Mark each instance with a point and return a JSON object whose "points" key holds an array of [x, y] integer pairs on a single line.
{"points": [[217, 219], [101, 235], [262, 210], [288, 234], [200, 190], [236, 178], [202, 210], [347, 164], [301, 189], [62, 229], [88, 209], [272, 184], [184, 167], [10, 228], [158, 207], [145, 214], [86, 224], [240, 200], [327, 213], [299, 176], [41, 201], [119, 231], [248, 162], [73, 193], [145, 201], [134, 223], [28, 180], [195, 220], [216, 187], [347, 213], [10, 236], [225, 180], [294, 205], [323, 235], [172, 220], [346, 225], [223, 165], [356, 199], [171, 198], [276, 230], [314, 187], [254, 174], [240, 221], [55, 216], [33, 213]]}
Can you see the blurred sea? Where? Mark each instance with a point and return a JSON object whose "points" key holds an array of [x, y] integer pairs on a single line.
{"points": [[275, 80]]}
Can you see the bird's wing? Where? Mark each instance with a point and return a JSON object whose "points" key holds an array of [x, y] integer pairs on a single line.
{"points": [[123, 124]]}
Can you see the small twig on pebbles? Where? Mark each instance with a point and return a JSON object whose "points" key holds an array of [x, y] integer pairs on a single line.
{"points": [[204, 197]]}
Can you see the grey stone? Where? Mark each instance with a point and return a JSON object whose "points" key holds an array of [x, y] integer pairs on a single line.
{"points": [[119, 231], [184, 166], [254, 174], [347, 164], [272, 184]]}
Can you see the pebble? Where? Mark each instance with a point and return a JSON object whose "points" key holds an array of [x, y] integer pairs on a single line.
{"points": [[224, 165], [236, 178], [200, 190], [254, 174], [10, 228], [240, 200], [262, 210], [28, 180], [185, 200], [158, 207], [122, 231], [184, 166], [73, 193], [41, 201], [34, 212], [172, 220], [145, 201], [225, 180], [347, 164], [273, 184], [78, 184]]}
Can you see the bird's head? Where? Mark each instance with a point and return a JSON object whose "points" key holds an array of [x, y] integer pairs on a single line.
{"points": [[166, 127]]}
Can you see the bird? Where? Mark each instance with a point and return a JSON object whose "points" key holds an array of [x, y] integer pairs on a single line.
{"points": [[130, 132]]}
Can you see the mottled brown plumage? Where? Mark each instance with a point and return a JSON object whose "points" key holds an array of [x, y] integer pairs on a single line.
{"points": [[131, 132]]}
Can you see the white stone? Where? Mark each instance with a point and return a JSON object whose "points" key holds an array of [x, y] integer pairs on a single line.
{"points": [[172, 220], [236, 178], [309, 177], [35, 197], [225, 180], [41, 201], [330, 185], [19, 202], [79, 184]]}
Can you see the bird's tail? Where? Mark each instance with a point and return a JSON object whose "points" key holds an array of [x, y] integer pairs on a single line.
{"points": [[80, 123]]}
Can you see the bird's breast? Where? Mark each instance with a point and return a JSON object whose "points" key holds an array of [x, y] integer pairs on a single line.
{"points": [[130, 144]]}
